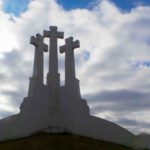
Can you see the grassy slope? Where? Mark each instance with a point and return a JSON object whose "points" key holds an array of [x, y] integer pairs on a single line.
{"points": [[59, 142]]}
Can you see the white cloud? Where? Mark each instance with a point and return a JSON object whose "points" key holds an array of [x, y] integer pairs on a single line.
{"points": [[7, 36], [110, 42]]}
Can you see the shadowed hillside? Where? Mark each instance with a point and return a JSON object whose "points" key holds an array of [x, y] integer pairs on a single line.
{"points": [[64, 141]]}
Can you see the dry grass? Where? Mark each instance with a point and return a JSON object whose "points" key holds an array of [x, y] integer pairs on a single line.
{"points": [[64, 141]]}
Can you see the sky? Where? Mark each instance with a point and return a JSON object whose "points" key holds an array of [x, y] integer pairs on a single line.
{"points": [[112, 64]]}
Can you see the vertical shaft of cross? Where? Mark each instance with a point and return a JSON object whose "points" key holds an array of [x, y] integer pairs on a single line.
{"points": [[53, 77], [40, 47], [69, 59], [53, 34], [38, 60]]}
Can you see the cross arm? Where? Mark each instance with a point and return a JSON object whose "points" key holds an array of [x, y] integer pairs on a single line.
{"points": [[60, 35], [53, 30], [46, 33], [33, 41], [43, 46], [39, 36], [38, 42], [76, 44], [62, 49], [69, 40]]}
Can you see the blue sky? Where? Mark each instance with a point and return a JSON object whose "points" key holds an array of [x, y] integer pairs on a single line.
{"points": [[123, 4], [129, 4], [15, 6], [18, 6]]}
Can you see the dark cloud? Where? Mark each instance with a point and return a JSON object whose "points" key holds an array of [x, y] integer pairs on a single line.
{"points": [[133, 124], [120, 105], [14, 96], [11, 57], [128, 122], [119, 100], [117, 95]]}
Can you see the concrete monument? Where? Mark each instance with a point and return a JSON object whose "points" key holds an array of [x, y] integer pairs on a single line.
{"points": [[37, 77], [53, 108], [53, 77]]}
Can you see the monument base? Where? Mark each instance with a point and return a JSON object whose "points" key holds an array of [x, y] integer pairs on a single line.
{"points": [[19, 125], [71, 114]]}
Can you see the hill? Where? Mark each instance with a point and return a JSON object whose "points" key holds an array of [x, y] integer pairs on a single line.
{"points": [[64, 141]]}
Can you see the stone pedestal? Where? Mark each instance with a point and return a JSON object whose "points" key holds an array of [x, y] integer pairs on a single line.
{"points": [[53, 82]]}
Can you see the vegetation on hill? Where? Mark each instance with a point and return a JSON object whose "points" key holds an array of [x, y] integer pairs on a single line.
{"points": [[64, 141]]}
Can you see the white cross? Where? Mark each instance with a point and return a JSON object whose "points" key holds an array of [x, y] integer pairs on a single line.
{"points": [[68, 48], [38, 43]]}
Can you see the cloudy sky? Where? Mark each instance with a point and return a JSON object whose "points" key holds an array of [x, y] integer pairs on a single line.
{"points": [[113, 63]]}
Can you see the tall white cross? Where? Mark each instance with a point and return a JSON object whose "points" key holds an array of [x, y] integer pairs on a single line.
{"points": [[53, 34], [38, 60], [53, 77], [68, 48]]}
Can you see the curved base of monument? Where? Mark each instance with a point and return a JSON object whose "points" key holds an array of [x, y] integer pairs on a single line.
{"points": [[101, 129], [15, 126], [18, 126]]}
